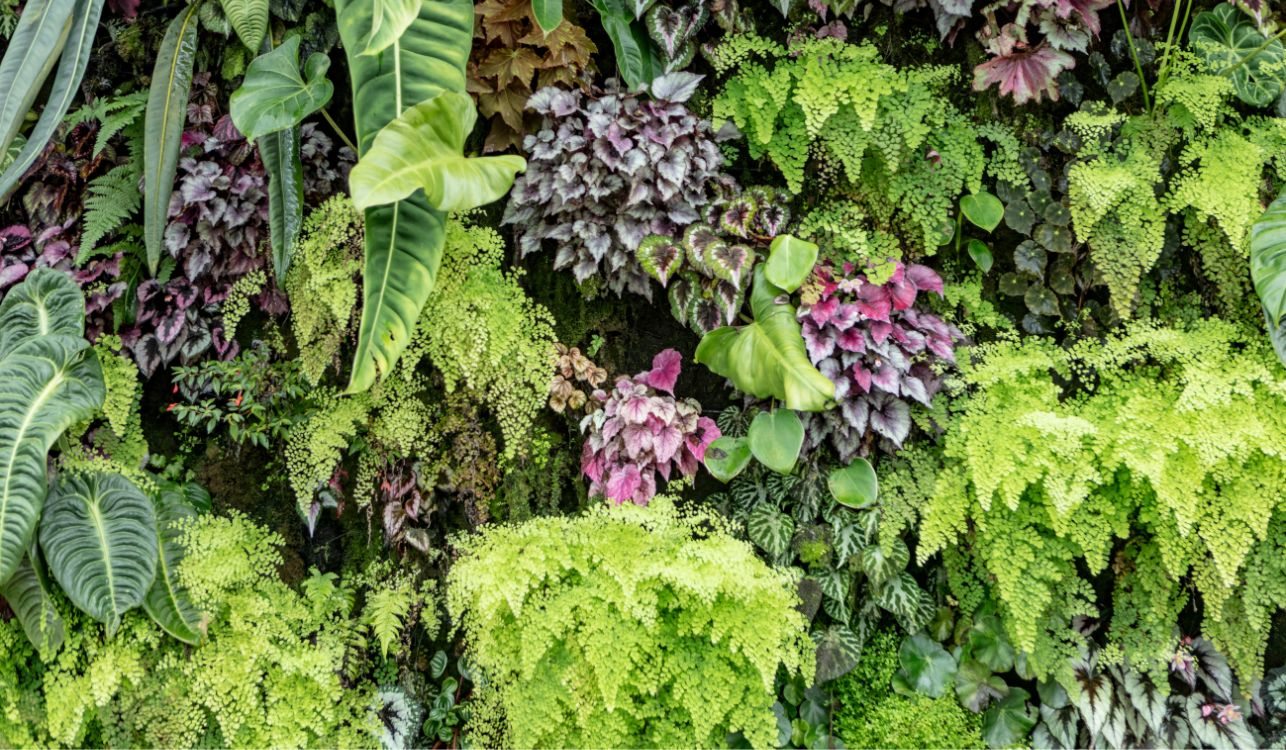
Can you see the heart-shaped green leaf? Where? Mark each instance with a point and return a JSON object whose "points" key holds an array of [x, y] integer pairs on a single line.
{"points": [[727, 457], [274, 96], [855, 485], [776, 438], [980, 253], [1268, 260], [1232, 46], [384, 25], [983, 210], [790, 260], [424, 149], [249, 18]]}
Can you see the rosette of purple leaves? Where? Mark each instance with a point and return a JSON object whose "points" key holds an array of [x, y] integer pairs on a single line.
{"points": [[642, 430], [607, 169], [881, 351]]}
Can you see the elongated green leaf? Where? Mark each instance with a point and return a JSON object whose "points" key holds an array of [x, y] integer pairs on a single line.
{"points": [[1268, 259], [385, 24], [636, 59], [167, 106], [75, 57], [167, 602], [28, 592], [30, 55], [424, 149], [767, 358], [50, 383], [549, 14], [98, 533], [46, 303], [275, 96], [280, 154], [1232, 46], [403, 241], [249, 18]]}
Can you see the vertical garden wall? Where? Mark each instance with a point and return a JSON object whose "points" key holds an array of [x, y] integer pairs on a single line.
{"points": [[642, 373]]}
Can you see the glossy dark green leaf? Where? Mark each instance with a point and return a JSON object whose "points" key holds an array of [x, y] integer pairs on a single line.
{"points": [[976, 686], [29, 593], [167, 602], [727, 457], [167, 107], [1009, 720], [636, 59], [980, 253], [926, 666], [988, 644], [1268, 259], [280, 154], [275, 95], [1231, 45]]}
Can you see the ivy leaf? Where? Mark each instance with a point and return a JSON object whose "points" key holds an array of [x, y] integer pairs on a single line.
{"points": [[983, 210], [1232, 46], [767, 358], [776, 438], [927, 668], [770, 529], [1009, 720], [855, 485], [980, 253], [727, 457], [1268, 260], [423, 149], [384, 25], [274, 96], [790, 260], [976, 686]]}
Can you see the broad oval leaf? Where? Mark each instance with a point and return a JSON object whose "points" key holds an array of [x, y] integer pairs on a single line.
{"points": [[980, 253], [424, 149], [29, 594], [249, 18], [167, 107], [167, 602], [403, 241], [855, 485], [51, 382], [29, 55], [790, 260], [548, 13], [1268, 259], [976, 686], [838, 651], [776, 438], [727, 457], [76, 51], [983, 210], [926, 666], [767, 358], [1232, 46], [98, 533], [275, 95], [46, 303]]}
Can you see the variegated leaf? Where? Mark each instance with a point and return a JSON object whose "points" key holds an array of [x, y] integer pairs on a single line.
{"points": [[730, 262], [660, 257]]}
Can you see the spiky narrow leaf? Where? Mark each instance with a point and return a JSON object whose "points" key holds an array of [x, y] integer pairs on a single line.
{"points": [[98, 533], [167, 107], [280, 154], [71, 68], [403, 241], [249, 18], [29, 56], [167, 602], [28, 593], [46, 303], [51, 382]]}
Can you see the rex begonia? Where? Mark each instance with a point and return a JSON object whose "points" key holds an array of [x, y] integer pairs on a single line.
{"points": [[879, 349], [642, 430]]}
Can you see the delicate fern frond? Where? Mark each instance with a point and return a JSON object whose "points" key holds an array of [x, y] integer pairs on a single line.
{"points": [[112, 198]]}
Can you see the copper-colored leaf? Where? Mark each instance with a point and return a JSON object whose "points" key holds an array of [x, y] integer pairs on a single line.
{"points": [[509, 65], [507, 103]]}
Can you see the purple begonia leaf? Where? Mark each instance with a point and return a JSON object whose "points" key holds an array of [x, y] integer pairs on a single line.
{"points": [[890, 418], [1025, 73], [623, 482], [665, 370]]}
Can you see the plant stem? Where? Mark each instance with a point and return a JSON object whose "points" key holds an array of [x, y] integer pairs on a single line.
{"points": [[1138, 66], [1163, 70], [1254, 52], [339, 131]]}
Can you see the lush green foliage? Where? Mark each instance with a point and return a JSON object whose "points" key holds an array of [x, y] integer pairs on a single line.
{"points": [[559, 610]]}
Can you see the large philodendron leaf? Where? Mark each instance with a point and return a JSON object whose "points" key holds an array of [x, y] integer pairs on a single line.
{"points": [[46, 303], [767, 358], [50, 383], [385, 24], [29, 56], [166, 601], [423, 149], [275, 96], [1231, 45], [249, 18], [98, 533], [404, 240], [167, 107], [1268, 260], [29, 594], [71, 68]]}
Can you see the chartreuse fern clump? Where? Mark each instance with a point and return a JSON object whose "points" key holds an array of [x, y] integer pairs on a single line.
{"points": [[1170, 440], [272, 671], [626, 627]]}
